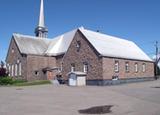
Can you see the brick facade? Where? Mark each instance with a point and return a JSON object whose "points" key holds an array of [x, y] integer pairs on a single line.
{"points": [[35, 65], [31, 65], [79, 53], [101, 68], [86, 54], [109, 63], [15, 57]]}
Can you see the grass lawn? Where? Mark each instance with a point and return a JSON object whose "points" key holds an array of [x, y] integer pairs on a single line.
{"points": [[39, 82], [11, 82]]}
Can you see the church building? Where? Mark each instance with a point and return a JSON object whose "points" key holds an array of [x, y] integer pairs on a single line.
{"points": [[103, 58]]}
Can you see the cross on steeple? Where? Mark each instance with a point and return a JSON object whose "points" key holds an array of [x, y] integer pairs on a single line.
{"points": [[41, 31]]}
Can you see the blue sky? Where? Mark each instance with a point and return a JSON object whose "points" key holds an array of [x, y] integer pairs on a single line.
{"points": [[136, 20]]}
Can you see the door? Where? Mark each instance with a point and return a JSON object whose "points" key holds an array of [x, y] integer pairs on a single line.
{"points": [[72, 80], [81, 81]]}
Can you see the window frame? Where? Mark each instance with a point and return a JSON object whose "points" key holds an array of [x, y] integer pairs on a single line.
{"points": [[20, 68], [16, 70], [85, 67], [78, 45], [116, 66], [12, 71], [36, 73], [127, 67], [143, 67], [72, 67], [136, 67]]}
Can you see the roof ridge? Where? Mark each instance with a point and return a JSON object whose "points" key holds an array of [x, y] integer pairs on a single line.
{"points": [[28, 36], [100, 33]]}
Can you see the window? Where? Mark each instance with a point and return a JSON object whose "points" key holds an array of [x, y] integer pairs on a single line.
{"points": [[143, 67], [20, 69], [12, 72], [9, 70], [18, 60], [115, 77], [116, 66], [15, 69], [12, 50], [78, 45], [127, 67], [72, 67], [136, 67], [36, 73], [85, 68]]}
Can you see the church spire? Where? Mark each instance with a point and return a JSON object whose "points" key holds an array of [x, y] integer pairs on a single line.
{"points": [[41, 30]]}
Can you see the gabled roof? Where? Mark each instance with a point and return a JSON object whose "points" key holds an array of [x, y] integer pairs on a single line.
{"points": [[114, 47], [62, 44], [30, 44], [104, 44]]}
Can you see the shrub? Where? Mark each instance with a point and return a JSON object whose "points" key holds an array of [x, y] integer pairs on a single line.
{"points": [[6, 81], [2, 70]]}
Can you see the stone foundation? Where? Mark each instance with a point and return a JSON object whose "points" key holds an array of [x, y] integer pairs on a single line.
{"points": [[118, 82]]}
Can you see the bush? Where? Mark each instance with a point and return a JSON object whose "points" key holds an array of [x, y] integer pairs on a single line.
{"points": [[6, 81], [3, 71]]}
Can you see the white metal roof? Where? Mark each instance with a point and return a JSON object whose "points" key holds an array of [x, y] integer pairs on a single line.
{"points": [[62, 44], [114, 47], [31, 45], [106, 45]]}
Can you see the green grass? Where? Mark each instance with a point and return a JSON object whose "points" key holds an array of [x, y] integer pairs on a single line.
{"points": [[8, 81], [39, 82]]}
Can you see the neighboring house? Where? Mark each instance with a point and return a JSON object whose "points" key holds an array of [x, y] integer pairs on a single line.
{"points": [[102, 57]]}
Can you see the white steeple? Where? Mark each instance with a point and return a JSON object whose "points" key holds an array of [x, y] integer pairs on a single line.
{"points": [[41, 16], [41, 30]]}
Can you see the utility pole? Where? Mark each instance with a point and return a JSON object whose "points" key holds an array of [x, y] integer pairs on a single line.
{"points": [[156, 62]]}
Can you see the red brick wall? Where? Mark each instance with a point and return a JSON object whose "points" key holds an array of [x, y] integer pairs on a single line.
{"points": [[37, 63], [85, 54], [12, 58], [108, 68]]}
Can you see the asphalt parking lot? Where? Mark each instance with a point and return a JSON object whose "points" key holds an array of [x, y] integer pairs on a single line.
{"points": [[128, 99]]}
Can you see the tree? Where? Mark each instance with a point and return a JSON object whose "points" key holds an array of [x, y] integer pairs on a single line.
{"points": [[3, 71]]}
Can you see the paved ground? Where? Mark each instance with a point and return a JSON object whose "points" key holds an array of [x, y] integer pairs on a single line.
{"points": [[128, 99]]}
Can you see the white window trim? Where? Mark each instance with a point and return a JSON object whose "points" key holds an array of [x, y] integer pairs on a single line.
{"points": [[20, 69], [16, 69], [143, 67], [12, 72], [85, 68], [136, 67], [127, 66], [9, 69], [72, 68], [116, 66]]}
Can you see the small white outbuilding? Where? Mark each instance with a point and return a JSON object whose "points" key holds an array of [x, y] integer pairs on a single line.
{"points": [[76, 78]]}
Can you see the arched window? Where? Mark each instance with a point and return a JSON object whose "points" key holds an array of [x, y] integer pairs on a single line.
{"points": [[16, 69], [136, 67], [143, 67], [9, 69], [72, 67], [85, 68], [12, 71], [116, 66], [20, 69], [127, 66]]}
